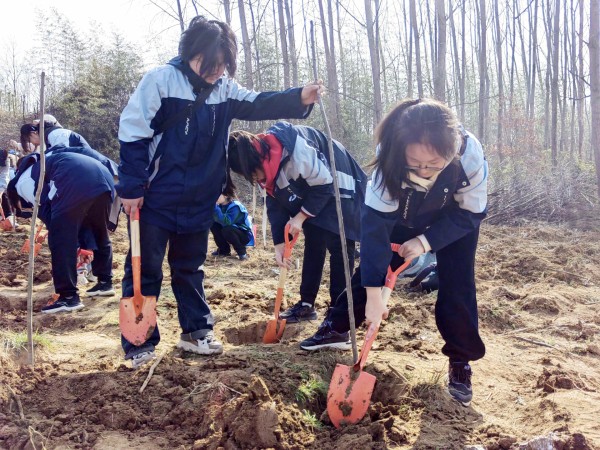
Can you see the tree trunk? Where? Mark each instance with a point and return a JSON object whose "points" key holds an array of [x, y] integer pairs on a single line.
{"points": [[594, 47], [284, 46], [375, 71], [415, 34], [482, 70], [556, 51], [581, 85], [499, 136], [439, 79], [246, 46], [456, 60], [292, 40], [227, 10]]}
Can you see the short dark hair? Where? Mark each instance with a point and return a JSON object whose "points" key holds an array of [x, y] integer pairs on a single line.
{"points": [[26, 130], [211, 39], [420, 121], [243, 158]]}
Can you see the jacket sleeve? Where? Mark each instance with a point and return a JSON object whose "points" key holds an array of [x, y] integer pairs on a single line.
{"points": [[469, 208], [135, 136], [252, 105], [278, 217], [306, 164]]}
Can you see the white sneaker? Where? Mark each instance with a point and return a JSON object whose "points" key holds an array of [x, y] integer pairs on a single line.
{"points": [[208, 345], [142, 358]]}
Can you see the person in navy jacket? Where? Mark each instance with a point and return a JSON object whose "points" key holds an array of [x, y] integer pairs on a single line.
{"points": [[173, 135], [428, 192], [292, 163], [77, 192], [232, 228]]}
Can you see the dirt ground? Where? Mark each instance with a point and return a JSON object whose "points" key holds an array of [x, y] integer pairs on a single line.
{"points": [[539, 303]]}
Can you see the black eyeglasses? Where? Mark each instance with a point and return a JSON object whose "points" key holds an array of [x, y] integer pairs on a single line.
{"points": [[417, 168]]}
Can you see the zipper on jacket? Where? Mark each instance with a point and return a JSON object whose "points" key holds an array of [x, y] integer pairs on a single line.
{"points": [[214, 119], [407, 203]]}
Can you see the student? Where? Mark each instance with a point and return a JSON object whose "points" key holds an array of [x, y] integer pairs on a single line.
{"points": [[292, 163], [173, 135], [54, 134], [232, 228], [4, 180], [429, 193], [77, 192]]}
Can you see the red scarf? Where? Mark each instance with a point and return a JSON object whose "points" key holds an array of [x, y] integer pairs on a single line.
{"points": [[270, 164]]}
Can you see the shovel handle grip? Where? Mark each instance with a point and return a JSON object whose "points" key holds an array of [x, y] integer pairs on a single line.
{"points": [[289, 244], [136, 263], [364, 351]]}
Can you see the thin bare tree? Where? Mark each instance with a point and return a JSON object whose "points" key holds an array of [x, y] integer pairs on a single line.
{"points": [[439, 77], [594, 47]]}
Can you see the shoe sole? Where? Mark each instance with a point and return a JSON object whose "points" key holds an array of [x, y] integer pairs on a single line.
{"points": [[189, 347], [465, 403], [64, 309], [298, 320], [101, 294], [337, 346]]}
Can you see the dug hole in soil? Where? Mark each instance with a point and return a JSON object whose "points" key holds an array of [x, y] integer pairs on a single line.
{"points": [[539, 305]]}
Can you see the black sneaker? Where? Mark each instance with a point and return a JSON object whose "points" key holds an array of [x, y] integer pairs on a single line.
{"points": [[63, 304], [459, 382], [299, 312], [325, 337], [102, 289], [220, 253]]}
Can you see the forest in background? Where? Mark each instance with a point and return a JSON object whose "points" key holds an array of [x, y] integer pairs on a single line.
{"points": [[521, 74]]}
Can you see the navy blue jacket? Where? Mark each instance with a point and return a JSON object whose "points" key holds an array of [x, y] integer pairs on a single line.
{"points": [[453, 207], [304, 182], [70, 179], [182, 171]]}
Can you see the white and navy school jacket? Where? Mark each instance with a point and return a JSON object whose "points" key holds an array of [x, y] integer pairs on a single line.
{"points": [[304, 182], [181, 171], [453, 207], [70, 179], [59, 136]]}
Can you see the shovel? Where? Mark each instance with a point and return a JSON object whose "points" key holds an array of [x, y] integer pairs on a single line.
{"points": [[276, 326], [351, 389], [5, 224], [137, 314], [40, 237]]}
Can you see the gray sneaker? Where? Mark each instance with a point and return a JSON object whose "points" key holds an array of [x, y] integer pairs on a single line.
{"points": [[140, 359], [208, 345]]}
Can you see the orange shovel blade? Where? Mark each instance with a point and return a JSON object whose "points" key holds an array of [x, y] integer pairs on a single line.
{"points": [[274, 331], [6, 225], [137, 318], [349, 395], [36, 247]]}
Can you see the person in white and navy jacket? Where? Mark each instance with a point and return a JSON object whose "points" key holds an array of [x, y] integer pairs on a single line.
{"points": [[173, 135], [292, 163], [54, 135], [77, 192], [428, 192]]}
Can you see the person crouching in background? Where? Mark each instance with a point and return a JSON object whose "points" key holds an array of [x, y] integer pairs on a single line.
{"points": [[232, 228]]}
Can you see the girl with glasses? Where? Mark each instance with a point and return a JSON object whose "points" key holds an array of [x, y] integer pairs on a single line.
{"points": [[428, 192]]}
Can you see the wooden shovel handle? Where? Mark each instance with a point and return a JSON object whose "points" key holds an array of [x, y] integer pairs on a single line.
{"points": [[364, 351], [136, 260]]}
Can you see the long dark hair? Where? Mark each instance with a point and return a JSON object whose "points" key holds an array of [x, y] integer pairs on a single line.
{"points": [[209, 38], [424, 121]]}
